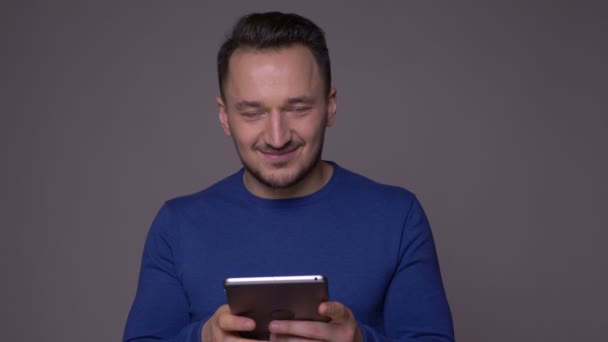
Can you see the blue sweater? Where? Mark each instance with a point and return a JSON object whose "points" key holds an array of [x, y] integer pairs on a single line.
{"points": [[372, 241]]}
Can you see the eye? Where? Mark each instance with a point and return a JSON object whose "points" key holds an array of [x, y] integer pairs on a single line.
{"points": [[300, 110], [252, 115]]}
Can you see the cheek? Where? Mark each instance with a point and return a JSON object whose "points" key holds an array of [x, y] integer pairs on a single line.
{"points": [[244, 137], [313, 131]]}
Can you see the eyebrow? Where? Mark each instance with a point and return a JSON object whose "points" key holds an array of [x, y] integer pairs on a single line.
{"points": [[302, 99], [248, 104], [290, 101]]}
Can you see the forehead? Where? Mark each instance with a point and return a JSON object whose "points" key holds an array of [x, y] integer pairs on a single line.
{"points": [[272, 74]]}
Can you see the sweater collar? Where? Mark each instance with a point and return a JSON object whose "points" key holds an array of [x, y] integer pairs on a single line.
{"points": [[308, 200]]}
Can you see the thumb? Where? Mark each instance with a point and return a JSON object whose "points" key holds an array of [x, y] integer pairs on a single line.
{"points": [[337, 312]]}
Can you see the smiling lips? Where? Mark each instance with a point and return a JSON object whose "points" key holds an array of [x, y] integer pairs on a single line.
{"points": [[279, 156]]}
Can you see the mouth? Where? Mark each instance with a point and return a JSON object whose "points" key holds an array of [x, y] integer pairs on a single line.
{"points": [[279, 156]]}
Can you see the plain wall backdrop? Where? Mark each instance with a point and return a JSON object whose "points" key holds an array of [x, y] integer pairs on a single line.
{"points": [[493, 112]]}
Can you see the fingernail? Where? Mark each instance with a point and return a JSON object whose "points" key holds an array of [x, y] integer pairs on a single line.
{"points": [[249, 324], [274, 325]]}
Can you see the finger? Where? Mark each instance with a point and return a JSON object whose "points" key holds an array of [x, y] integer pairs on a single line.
{"points": [[305, 329], [236, 338], [229, 322], [289, 338], [230, 336], [337, 312]]}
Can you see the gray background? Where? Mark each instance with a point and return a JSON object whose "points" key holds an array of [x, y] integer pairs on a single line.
{"points": [[494, 113]]}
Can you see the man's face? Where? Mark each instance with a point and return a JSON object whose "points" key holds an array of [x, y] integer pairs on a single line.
{"points": [[276, 110]]}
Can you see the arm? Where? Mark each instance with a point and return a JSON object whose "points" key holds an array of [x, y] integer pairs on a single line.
{"points": [[160, 311], [415, 307]]}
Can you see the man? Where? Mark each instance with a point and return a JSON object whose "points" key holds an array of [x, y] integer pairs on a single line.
{"points": [[288, 212]]}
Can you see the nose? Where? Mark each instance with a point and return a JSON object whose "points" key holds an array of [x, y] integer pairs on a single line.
{"points": [[277, 132]]}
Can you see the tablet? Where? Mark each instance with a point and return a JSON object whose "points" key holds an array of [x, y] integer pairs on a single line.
{"points": [[276, 298]]}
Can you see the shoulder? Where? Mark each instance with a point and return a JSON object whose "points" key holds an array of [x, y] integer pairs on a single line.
{"points": [[383, 206], [369, 190], [219, 194]]}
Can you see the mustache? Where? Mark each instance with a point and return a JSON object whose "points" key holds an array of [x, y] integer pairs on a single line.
{"points": [[289, 146]]}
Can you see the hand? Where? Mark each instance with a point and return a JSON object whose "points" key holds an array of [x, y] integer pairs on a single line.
{"points": [[224, 327], [342, 327]]}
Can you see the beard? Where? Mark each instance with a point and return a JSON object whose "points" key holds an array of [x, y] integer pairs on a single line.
{"points": [[286, 181]]}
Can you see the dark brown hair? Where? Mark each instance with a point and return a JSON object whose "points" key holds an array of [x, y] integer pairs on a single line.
{"points": [[273, 30]]}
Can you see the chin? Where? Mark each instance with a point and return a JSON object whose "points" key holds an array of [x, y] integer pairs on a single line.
{"points": [[280, 176], [279, 180]]}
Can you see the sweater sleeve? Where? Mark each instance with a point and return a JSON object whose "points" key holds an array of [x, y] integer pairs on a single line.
{"points": [[415, 307], [160, 311]]}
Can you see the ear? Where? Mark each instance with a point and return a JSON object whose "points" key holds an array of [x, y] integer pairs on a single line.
{"points": [[331, 106], [223, 115]]}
